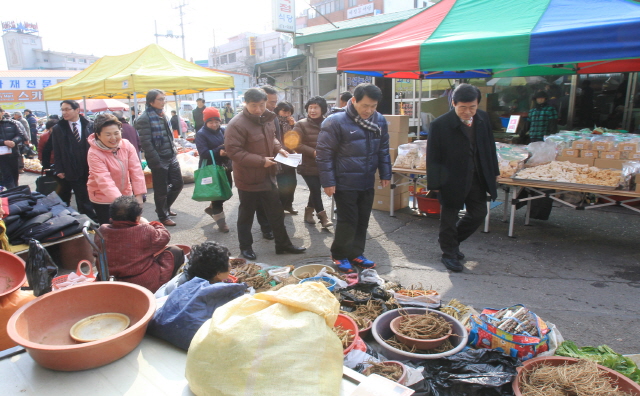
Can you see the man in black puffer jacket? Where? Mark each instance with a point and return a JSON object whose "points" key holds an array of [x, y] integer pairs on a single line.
{"points": [[156, 140], [10, 139], [352, 146]]}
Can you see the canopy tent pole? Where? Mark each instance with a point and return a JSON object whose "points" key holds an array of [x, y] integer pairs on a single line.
{"points": [[419, 112], [135, 106], [233, 98], [84, 105], [46, 108], [628, 109], [175, 97], [572, 100]]}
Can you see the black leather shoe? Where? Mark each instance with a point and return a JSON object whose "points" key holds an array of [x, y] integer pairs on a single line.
{"points": [[459, 255], [249, 254], [452, 264], [268, 235], [291, 249]]}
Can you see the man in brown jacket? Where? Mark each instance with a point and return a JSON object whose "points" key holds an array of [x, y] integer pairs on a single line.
{"points": [[251, 144]]}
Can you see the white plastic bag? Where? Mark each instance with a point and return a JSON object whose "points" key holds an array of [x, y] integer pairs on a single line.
{"points": [[432, 301], [340, 284], [370, 276]]}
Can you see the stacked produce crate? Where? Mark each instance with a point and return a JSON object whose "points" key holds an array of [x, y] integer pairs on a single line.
{"points": [[398, 126]]}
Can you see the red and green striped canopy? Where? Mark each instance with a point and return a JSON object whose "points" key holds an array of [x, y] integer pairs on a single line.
{"points": [[505, 38]]}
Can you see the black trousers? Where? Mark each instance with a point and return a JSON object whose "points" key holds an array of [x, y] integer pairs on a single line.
{"points": [[9, 169], [315, 193], [354, 210], [454, 231], [102, 212], [217, 205], [250, 201], [167, 184], [79, 188], [287, 182]]}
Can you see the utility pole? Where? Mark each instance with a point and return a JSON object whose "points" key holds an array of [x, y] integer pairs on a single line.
{"points": [[179, 7], [215, 51]]}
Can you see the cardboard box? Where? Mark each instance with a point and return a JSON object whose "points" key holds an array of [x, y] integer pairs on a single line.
{"points": [[609, 155], [633, 156], [381, 202], [393, 153], [581, 144], [398, 123], [609, 164], [589, 154], [571, 152], [604, 146], [386, 191], [396, 139], [628, 146], [577, 160]]}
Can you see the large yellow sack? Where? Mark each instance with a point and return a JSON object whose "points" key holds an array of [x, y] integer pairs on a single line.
{"points": [[273, 343]]}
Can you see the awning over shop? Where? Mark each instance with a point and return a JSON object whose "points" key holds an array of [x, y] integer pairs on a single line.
{"points": [[151, 67], [284, 64], [507, 38]]}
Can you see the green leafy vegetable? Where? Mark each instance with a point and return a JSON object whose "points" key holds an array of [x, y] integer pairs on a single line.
{"points": [[602, 355]]}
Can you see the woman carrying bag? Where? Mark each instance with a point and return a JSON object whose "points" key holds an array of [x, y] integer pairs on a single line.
{"points": [[210, 139]]}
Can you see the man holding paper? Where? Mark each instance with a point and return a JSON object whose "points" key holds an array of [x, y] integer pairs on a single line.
{"points": [[251, 144], [352, 146]]}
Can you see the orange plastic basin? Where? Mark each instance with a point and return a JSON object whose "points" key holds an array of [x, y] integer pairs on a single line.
{"points": [[12, 274], [42, 326]]}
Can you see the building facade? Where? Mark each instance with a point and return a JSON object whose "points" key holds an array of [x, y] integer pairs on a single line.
{"points": [[24, 51], [243, 51]]}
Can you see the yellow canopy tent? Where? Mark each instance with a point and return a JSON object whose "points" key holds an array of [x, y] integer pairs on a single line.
{"points": [[134, 74]]}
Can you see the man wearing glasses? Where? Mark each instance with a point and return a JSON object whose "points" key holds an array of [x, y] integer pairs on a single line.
{"points": [[156, 140]]}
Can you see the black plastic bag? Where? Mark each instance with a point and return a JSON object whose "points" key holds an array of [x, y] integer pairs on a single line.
{"points": [[40, 269], [481, 372]]}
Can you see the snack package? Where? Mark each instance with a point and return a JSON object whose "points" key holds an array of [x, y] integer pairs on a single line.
{"points": [[610, 155], [421, 162], [588, 154], [571, 152], [541, 153], [603, 143], [628, 146], [407, 156], [582, 144], [629, 171]]}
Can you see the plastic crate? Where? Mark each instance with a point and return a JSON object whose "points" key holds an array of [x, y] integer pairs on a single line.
{"points": [[428, 205]]}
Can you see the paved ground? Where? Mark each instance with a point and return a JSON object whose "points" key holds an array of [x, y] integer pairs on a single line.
{"points": [[579, 270]]}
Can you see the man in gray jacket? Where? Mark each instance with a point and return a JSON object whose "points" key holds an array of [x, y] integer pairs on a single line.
{"points": [[156, 140]]}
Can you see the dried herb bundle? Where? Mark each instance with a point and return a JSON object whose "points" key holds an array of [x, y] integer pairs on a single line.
{"points": [[346, 336], [365, 314], [389, 371], [579, 379], [444, 347], [455, 308], [429, 326]]}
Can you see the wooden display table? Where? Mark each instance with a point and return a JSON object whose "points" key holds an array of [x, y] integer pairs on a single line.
{"points": [[537, 189]]}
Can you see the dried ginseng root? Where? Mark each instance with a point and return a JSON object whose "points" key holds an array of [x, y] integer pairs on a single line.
{"points": [[424, 327], [346, 336], [389, 371]]}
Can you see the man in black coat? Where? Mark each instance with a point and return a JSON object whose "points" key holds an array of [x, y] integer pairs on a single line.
{"points": [[10, 138], [198, 114], [462, 166], [70, 148]]}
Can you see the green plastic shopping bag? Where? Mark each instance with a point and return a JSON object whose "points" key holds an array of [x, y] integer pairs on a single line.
{"points": [[211, 182]]}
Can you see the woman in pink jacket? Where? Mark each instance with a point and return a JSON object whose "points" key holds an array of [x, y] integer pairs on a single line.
{"points": [[114, 167]]}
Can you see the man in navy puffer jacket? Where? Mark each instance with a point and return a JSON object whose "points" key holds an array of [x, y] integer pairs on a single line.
{"points": [[352, 146]]}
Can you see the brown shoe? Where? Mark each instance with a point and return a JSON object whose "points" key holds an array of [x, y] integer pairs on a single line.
{"points": [[172, 213], [168, 223]]}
